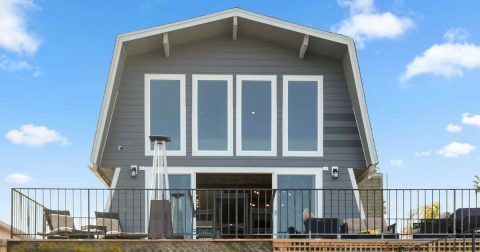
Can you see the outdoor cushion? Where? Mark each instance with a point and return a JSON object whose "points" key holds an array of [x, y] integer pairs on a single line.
{"points": [[376, 224], [110, 221], [355, 225], [62, 222]]}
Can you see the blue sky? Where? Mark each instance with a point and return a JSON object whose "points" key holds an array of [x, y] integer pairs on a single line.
{"points": [[420, 64]]}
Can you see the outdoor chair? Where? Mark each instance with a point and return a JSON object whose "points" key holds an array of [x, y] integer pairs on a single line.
{"points": [[432, 228], [110, 222], [321, 227], [207, 226], [464, 220], [62, 226], [370, 228]]}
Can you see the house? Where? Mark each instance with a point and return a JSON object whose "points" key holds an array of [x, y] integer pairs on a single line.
{"points": [[249, 101]]}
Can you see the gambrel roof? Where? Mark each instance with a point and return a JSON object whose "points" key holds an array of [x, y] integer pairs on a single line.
{"points": [[237, 22]]}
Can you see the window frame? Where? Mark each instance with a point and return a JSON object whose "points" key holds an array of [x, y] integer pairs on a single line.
{"points": [[273, 132], [195, 150], [320, 136], [147, 121]]}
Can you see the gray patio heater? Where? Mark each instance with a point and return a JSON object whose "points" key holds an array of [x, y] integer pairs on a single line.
{"points": [[160, 222]]}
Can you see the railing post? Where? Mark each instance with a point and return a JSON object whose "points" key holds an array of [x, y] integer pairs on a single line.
{"points": [[454, 220], [12, 224], [473, 240], [88, 213], [309, 213]]}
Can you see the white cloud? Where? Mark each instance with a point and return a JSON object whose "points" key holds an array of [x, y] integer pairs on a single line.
{"points": [[455, 149], [14, 35], [37, 73], [18, 178], [397, 162], [423, 153], [468, 119], [365, 23], [9, 65], [358, 6], [453, 128], [456, 34], [449, 59], [33, 135]]}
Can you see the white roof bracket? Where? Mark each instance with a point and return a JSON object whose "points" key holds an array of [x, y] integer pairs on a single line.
{"points": [[235, 28], [166, 45], [303, 46]]}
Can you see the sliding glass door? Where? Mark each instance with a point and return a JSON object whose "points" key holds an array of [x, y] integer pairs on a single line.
{"points": [[297, 199]]}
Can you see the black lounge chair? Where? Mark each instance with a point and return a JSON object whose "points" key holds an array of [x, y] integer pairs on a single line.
{"points": [[432, 228], [465, 220], [462, 222], [62, 226], [321, 227], [113, 229]]}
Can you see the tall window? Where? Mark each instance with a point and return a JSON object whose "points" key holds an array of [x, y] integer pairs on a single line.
{"points": [[212, 115], [256, 115], [302, 115], [165, 111]]}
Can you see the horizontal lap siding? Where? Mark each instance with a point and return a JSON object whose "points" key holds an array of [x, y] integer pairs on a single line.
{"points": [[342, 145]]}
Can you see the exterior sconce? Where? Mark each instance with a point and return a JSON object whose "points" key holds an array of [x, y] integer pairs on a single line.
{"points": [[133, 171], [335, 172]]}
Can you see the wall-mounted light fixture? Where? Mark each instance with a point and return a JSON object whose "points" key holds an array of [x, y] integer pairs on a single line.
{"points": [[133, 171], [335, 172]]}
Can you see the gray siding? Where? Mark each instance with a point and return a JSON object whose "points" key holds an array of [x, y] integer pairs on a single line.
{"points": [[222, 55]]}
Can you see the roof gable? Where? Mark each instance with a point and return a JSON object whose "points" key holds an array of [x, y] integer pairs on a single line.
{"points": [[320, 42]]}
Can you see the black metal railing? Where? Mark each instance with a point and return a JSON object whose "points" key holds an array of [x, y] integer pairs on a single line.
{"points": [[432, 214]]}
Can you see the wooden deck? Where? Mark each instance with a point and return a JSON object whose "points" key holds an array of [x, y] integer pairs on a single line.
{"points": [[372, 245], [228, 245]]}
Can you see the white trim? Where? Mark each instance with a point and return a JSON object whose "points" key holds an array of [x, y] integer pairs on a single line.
{"points": [[113, 185], [181, 78], [320, 137], [195, 150], [356, 193], [353, 78], [273, 113], [335, 37]]}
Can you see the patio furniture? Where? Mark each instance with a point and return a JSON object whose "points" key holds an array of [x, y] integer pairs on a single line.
{"points": [[432, 228], [61, 226], [206, 223], [110, 222], [321, 227], [465, 220], [369, 228]]}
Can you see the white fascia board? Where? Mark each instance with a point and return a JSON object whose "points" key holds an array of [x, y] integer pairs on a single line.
{"points": [[232, 13], [360, 105], [107, 99]]}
